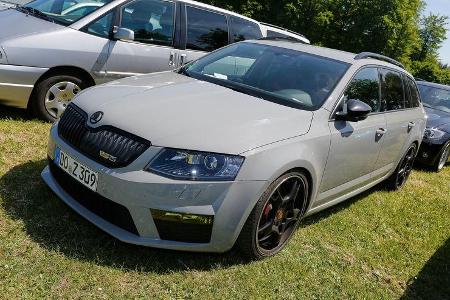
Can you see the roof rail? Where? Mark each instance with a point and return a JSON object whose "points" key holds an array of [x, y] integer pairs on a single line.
{"points": [[282, 38], [363, 55], [282, 28]]}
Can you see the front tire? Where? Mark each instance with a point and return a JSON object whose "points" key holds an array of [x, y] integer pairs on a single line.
{"points": [[276, 216], [443, 158], [52, 95], [403, 170]]}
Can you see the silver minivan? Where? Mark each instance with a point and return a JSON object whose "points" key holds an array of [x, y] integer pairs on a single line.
{"points": [[52, 49]]}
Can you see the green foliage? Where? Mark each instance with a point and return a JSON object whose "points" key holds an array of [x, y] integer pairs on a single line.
{"points": [[390, 27]]}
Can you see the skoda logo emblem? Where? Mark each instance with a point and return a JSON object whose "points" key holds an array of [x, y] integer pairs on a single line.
{"points": [[96, 117]]}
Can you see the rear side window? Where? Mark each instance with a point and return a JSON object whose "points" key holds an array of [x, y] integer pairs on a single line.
{"points": [[206, 31], [275, 34], [391, 90], [365, 87], [244, 30], [414, 98]]}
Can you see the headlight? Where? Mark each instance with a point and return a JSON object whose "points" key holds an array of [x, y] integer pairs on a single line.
{"points": [[194, 165], [433, 133]]}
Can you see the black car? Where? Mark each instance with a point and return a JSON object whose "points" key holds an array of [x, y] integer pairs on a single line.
{"points": [[435, 149]]}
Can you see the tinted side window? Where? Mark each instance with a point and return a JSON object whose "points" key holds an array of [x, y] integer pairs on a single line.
{"points": [[275, 34], [365, 87], [100, 27], [413, 93], [244, 30], [391, 90], [206, 31], [151, 20]]}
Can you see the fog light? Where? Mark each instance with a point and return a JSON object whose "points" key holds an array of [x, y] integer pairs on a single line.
{"points": [[181, 227], [425, 155]]}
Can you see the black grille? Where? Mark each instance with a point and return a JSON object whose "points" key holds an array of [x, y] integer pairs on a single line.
{"points": [[106, 209], [107, 145]]}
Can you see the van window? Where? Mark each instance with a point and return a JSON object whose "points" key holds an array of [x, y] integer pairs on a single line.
{"points": [[365, 87], [275, 34], [414, 98], [244, 30], [391, 90], [151, 20], [206, 31], [100, 27], [66, 12]]}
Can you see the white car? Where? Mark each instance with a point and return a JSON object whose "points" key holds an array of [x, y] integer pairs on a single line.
{"points": [[237, 146]]}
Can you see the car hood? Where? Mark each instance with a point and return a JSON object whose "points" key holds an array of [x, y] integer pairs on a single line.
{"points": [[176, 111], [14, 24], [438, 119]]}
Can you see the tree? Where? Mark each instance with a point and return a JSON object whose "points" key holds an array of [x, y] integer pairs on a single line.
{"points": [[432, 34]]}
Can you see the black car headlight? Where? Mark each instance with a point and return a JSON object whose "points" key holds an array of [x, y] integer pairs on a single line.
{"points": [[433, 133], [195, 165]]}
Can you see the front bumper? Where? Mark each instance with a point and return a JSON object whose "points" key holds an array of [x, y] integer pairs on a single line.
{"points": [[229, 203], [430, 151], [17, 83]]}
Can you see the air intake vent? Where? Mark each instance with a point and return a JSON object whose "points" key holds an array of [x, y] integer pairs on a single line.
{"points": [[107, 145]]}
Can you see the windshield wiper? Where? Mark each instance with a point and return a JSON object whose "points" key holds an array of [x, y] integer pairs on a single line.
{"points": [[34, 12]]}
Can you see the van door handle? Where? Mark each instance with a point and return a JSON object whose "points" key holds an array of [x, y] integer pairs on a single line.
{"points": [[172, 59], [411, 125], [381, 132], [182, 59]]}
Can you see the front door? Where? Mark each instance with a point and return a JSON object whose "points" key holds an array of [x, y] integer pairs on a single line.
{"points": [[355, 146], [152, 50]]}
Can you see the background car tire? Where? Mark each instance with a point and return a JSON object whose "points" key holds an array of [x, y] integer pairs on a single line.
{"points": [[442, 157], [55, 91], [404, 168], [248, 239]]}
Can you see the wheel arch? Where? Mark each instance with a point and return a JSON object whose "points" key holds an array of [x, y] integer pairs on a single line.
{"points": [[63, 70]]}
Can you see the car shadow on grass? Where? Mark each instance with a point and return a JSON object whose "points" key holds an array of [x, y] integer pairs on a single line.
{"points": [[10, 113], [433, 279], [54, 226]]}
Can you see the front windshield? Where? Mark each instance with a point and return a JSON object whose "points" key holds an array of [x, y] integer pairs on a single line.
{"points": [[435, 97], [66, 12], [280, 75]]}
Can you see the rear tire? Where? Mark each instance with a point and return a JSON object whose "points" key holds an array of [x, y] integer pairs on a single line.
{"points": [[53, 94], [275, 217], [443, 158], [397, 180]]}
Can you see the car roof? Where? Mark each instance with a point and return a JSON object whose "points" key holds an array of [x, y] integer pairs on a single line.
{"points": [[217, 9], [432, 84], [335, 54]]}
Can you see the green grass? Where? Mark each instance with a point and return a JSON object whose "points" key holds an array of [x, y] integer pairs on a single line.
{"points": [[379, 245]]}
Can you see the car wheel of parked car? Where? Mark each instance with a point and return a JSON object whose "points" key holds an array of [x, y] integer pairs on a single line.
{"points": [[53, 94], [275, 217], [403, 170], [443, 158]]}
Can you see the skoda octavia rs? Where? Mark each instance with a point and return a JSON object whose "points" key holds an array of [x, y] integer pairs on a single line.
{"points": [[236, 147]]}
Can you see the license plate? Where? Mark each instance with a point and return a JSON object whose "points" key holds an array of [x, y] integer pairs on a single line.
{"points": [[77, 170]]}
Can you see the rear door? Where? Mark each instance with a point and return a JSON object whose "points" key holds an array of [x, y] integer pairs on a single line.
{"points": [[399, 118], [154, 26], [355, 146]]}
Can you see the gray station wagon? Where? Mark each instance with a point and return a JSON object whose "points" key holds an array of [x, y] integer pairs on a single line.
{"points": [[52, 49], [236, 147]]}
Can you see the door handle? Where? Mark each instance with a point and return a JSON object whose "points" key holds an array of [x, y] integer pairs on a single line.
{"points": [[182, 59], [411, 125], [381, 132], [172, 59]]}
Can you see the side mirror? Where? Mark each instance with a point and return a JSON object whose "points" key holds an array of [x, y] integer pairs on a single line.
{"points": [[124, 34], [354, 111]]}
